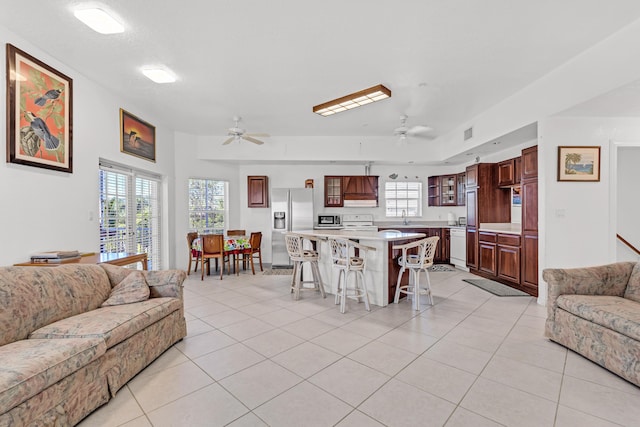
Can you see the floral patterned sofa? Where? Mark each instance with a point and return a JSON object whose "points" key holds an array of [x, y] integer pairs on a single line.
{"points": [[595, 311], [71, 336]]}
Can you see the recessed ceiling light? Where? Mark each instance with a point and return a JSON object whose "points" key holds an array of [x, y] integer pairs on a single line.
{"points": [[99, 20], [159, 75]]}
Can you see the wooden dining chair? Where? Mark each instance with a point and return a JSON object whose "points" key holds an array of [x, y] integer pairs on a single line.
{"points": [[236, 232], [194, 255], [255, 241], [213, 248]]}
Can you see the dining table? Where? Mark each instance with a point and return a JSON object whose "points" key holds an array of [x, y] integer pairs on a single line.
{"points": [[234, 246]]}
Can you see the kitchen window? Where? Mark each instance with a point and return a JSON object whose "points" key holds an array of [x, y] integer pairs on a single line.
{"points": [[208, 205], [403, 196]]}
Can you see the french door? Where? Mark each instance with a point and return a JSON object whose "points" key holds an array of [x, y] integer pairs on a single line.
{"points": [[130, 210]]}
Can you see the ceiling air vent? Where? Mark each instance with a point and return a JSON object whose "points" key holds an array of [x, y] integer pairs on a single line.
{"points": [[468, 133]]}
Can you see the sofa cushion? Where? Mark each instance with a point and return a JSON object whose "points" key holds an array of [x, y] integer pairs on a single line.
{"points": [[133, 288], [633, 287], [32, 297], [114, 324], [29, 366], [615, 313]]}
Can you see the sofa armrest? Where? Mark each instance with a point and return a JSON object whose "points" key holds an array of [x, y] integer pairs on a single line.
{"points": [[610, 279], [165, 283]]}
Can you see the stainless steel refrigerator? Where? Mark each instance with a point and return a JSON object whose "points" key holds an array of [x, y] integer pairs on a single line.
{"points": [[291, 210]]}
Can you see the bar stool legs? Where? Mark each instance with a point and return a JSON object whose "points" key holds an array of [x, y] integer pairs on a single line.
{"points": [[297, 283], [357, 292]]}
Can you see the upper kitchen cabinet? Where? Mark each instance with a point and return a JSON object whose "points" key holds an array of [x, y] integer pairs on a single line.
{"points": [[434, 190], [447, 190], [530, 162], [333, 192], [509, 172], [355, 190], [258, 191]]}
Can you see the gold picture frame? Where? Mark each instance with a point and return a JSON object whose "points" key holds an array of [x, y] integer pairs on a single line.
{"points": [[579, 163]]}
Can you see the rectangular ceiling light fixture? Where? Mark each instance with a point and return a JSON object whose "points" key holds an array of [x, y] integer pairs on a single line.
{"points": [[99, 20], [354, 100], [159, 75]]}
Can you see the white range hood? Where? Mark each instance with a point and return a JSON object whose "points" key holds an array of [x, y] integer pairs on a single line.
{"points": [[360, 203]]}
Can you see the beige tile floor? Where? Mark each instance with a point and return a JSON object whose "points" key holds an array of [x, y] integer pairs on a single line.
{"points": [[255, 357]]}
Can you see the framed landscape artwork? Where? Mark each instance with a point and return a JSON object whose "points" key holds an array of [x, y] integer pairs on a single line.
{"points": [[579, 164], [39, 113], [137, 137]]}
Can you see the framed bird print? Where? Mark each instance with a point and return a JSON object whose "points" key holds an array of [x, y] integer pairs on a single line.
{"points": [[137, 137], [39, 113]]}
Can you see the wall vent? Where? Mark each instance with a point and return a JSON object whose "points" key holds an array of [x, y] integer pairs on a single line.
{"points": [[468, 133]]}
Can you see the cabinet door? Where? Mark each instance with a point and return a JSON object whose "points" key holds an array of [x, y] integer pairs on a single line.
{"points": [[530, 162], [509, 263], [448, 186], [434, 191], [472, 207], [446, 245], [333, 191], [506, 173], [487, 258], [530, 263], [517, 174], [461, 190], [472, 176], [529, 194], [258, 191], [472, 248]]}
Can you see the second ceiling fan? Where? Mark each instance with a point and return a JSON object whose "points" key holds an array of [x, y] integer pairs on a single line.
{"points": [[419, 130], [236, 134]]}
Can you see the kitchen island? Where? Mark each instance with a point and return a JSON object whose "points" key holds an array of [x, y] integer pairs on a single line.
{"points": [[380, 283]]}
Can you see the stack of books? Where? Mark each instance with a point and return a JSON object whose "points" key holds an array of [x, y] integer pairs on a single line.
{"points": [[55, 257]]}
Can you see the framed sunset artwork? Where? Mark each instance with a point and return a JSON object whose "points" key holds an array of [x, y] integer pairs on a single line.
{"points": [[137, 137], [39, 113]]}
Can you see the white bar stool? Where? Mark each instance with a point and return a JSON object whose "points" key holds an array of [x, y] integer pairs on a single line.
{"points": [[297, 253], [416, 263], [342, 259]]}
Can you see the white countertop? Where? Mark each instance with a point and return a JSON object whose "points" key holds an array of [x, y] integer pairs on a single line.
{"points": [[416, 224], [388, 236], [501, 227]]}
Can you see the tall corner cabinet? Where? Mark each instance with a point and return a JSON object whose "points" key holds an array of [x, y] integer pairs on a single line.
{"points": [[529, 192]]}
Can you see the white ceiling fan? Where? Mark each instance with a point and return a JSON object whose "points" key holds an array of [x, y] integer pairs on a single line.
{"points": [[236, 134], [419, 130]]}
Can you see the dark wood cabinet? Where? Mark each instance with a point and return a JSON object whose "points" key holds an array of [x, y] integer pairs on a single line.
{"points": [[461, 190], [433, 191], [258, 191], [472, 248], [529, 191], [333, 192], [509, 172], [448, 188], [486, 203], [530, 163], [506, 173], [509, 257]]}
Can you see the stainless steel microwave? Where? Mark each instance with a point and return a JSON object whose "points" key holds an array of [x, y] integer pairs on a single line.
{"points": [[326, 220]]}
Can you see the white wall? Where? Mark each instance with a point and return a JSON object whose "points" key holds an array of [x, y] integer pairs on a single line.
{"points": [[628, 200], [578, 228], [49, 210]]}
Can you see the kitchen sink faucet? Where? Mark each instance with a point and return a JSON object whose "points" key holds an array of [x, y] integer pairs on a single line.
{"points": [[405, 221]]}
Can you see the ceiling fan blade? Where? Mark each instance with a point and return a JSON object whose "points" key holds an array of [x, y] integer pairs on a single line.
{"points": [[228, 141], [258, 134], [250, 139], [418, 130]]}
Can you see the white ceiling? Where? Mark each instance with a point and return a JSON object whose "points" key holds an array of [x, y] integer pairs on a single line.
{"points": [[271, 61]]}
